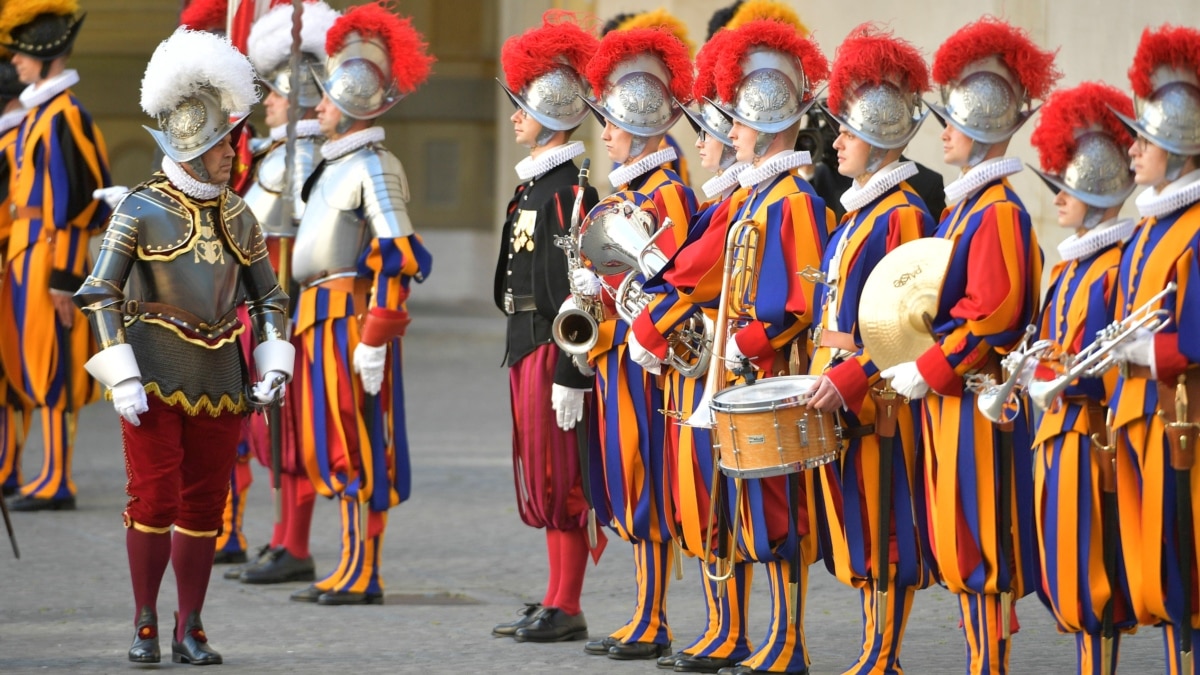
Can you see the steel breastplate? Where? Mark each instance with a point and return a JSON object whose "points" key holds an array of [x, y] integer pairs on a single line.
{"points": [[190, 254], [357, 197], [266, 192]]}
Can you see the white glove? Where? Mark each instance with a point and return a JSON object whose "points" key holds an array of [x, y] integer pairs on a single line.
{"points": [[129, 399], [368, 363], [642, 356], [1138, 349], [906, 380], [270, 388], [585, 281], [111, 195], [734, 354], [568, 403]]}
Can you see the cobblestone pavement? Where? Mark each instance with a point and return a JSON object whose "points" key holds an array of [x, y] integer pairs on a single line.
{"points": [[457, 560]]}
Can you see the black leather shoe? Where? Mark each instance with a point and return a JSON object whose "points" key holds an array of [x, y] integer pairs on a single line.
{"points": [[8, 490], [638, 651], [194, 647], [262, 557], [600, 647], [281, 568], [701, 664], [27, 503], [667, 662], [349, 598], [525, 615], [748, 670], [309, 594], [554, 625], [229, 557], [145, 641]]}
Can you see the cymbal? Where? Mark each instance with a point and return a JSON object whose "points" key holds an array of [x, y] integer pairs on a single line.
{"points": [[900, 298]]}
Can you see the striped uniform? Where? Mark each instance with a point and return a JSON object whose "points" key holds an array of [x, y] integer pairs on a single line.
{"points": [[677, 290], [14, 422], [989, 295], [793, 225], [1163, 249], [628, 472], [60, 159], [1067, 474], [848, 489], [368, 470]]}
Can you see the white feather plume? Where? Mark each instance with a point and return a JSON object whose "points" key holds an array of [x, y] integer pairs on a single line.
{"points": [[189, 60], [271, 36]]}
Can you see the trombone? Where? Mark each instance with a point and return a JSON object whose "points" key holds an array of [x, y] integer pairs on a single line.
{"points": [[1097, 358], [738, 283]]}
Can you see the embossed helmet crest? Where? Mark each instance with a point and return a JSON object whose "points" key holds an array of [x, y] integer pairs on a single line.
{"points": [[544, 69], [636, 76]]}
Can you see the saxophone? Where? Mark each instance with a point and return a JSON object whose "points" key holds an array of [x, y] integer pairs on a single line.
{"points": [[575, 331]]}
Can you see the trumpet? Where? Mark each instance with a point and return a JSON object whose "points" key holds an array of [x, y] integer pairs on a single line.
{"points": [[576, 331], [1097, 358], [1001, 403]]}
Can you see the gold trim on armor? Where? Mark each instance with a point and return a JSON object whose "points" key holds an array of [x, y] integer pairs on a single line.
{"points": [[225, 404], [207, 534], [233, 334]]}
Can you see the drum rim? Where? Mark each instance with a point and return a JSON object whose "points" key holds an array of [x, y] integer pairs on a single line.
{"points": [[780, 469], [791, 401]]}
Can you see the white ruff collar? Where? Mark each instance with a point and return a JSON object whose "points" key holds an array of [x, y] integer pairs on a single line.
{"points": [[190, 186], [979, 175], [351, 142], [777, 164], [529, 168], [1076, 247], [304, 129], [1181, 192], [855, 197], [11, 119], [719, 185], [623, 175], [35, 95]]}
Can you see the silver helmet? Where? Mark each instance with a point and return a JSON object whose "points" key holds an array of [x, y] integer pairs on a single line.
{"points": [[881, 114], [637, 98], [707, 117], [269, 47], [358, 78], [198, 87], [773, 94], [1097, 175], [1170, 116], [555, 99], [987, 103]]}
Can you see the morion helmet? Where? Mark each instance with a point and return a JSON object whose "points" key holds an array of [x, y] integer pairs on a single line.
{"points": [[636, 77], [375, 59], [767, 73], [989, 72], [875, 89], [1081, 145], [544, 71], [199, 87], [1165, 77], [270, 47]]}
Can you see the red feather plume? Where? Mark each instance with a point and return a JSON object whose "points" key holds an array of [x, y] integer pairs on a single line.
{"points": [[619, 45], [205, 15], [870, 55], [1033, 67], [411, 62], [705, 85], [533, 53], [1068, 111], [772, 35], [1175, 46]]}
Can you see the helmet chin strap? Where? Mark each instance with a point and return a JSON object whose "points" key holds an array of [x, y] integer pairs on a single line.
{"points": [[875, 159], [979, 151], [197, 167], [45, 71], [544, 136], [728, 157], [1092, 217], [637, 145], [761, 143], [344, 124], [1175, 165]]}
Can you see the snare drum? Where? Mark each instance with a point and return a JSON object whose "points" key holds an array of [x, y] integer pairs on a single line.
{"points": [[764, 429]]}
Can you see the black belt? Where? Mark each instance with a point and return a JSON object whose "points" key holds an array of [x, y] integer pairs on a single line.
{"points": [[858, 432], [518, 303]]}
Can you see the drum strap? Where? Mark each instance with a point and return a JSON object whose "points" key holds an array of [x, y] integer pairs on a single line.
{"points": [[849, 432]]}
